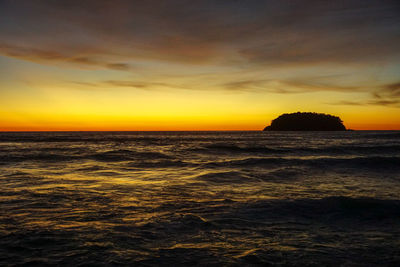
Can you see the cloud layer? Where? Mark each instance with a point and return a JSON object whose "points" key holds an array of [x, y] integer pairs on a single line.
{"points": [[208, 36]]}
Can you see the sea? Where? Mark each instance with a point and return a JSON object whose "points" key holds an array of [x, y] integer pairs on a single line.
{"points": [[200, 198]]}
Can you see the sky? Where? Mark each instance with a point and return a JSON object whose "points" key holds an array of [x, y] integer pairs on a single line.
{"points": [[197, 65]]}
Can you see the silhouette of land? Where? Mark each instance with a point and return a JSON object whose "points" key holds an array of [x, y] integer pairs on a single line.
{"points": [[306, 121]]}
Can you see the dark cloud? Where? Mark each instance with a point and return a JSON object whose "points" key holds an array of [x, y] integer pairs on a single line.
{"points": [[118, 66], [388, 95], [204, 32], [311, 49], [51, 57], [392, 89]]}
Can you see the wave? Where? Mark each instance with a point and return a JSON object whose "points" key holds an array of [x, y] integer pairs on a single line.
{"points": [[373, 162], [380, 135], [154, 163], [44, 157], [238, 149], [352, 149], [329, 209], [285, 174], [107, 156], [228, 177], [126, 155], [237, 199], [299, 150], [122, 137]]}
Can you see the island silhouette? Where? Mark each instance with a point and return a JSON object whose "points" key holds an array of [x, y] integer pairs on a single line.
{"points": [[306, 121]]}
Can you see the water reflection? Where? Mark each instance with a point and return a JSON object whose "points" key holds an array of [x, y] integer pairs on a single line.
{"points": [[209, 198]]}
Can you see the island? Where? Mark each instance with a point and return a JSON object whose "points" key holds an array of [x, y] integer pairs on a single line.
{"points": [[306, 121]]}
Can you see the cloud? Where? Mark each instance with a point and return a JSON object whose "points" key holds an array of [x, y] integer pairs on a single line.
{"points": [[385, 95], [392, 90], [348, 103], [371, 102], [385, 102], [309, 84], [203, 32], [54, 57], [118, 66], [143, 85], [237, 46], [388, 95], [138, 84], [315, 48]]}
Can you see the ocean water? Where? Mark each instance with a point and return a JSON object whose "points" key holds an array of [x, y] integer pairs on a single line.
{"points": [[200, 198]]}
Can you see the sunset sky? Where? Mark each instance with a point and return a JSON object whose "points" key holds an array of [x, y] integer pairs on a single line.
{"points": [[197, 65]]}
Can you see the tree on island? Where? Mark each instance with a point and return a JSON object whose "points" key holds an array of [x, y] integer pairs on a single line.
{"points": [[306, 121]]}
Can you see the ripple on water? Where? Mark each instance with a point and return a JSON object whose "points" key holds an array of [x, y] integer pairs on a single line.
{"points": [[239, 199]]}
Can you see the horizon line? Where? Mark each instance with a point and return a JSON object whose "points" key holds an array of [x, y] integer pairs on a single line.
{"points": [[38, 131]]}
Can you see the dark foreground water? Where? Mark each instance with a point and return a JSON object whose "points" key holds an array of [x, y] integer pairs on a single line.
{"points": [[190, 198]]}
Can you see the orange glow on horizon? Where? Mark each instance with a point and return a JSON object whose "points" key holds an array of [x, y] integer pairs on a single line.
{"points": [[214, 68], [165, 126]]}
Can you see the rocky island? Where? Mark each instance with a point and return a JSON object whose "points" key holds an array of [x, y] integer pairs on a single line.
{"points": [[306, 121]]}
